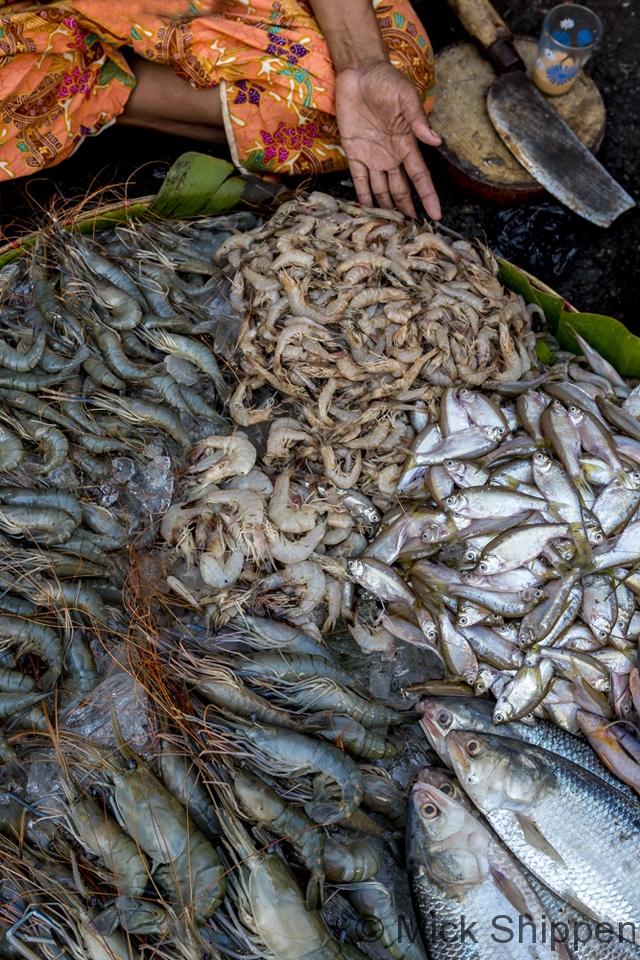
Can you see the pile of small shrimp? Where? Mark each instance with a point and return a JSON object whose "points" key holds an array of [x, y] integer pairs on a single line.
{"points": [[358, 319], [62, 601], [250, 539]]}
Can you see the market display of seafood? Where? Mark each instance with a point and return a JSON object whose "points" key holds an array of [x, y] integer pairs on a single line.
{"points": [[262, 486]]}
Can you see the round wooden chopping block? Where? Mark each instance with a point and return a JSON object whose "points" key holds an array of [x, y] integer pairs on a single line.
{"points": [[473, 152]]}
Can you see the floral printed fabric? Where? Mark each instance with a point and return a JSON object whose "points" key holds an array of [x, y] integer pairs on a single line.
{"points": [[63, 74]]}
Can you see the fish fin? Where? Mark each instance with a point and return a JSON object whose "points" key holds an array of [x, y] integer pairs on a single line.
{"points": [[580, 907], [534, 837], [511, 891]]}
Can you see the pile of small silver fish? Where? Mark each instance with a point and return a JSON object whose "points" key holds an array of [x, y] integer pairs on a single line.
{"points": [[359, 319], [525, 847], [520, 564], [236, 459]]}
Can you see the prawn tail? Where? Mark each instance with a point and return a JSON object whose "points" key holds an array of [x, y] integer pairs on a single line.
{"points": [[315, 893], [107, 922]]}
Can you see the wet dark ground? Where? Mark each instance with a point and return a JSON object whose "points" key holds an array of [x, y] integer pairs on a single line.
{"points": [[597, 270]]}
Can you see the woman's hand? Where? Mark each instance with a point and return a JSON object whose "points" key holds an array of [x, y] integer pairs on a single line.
{"points": [[381, 118]]}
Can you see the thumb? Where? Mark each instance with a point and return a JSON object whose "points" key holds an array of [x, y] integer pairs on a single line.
{"points": [[423, 131], [414, 112]]}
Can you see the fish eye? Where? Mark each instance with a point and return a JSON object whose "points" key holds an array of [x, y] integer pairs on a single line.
{"points": [[463, 620], [539, 457], [447, 789], [449, 501], [598, 537], [444, 718], [499, 718], [483, 567], [429, 811], [473, 748]]}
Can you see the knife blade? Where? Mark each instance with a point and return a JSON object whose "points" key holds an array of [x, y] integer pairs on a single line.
{"points": [[533, 131]]}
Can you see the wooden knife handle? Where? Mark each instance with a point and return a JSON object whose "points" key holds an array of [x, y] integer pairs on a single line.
{"points": [[484, 23]]}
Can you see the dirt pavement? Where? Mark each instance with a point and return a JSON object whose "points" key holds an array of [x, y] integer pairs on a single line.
{"points": [[597, 270]]}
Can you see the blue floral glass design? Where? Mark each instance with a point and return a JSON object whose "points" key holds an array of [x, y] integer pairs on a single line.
{"points": [[563, 37], [558, 75], [585, 37]]}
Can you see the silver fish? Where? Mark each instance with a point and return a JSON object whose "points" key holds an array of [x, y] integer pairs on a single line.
{"points": [[548, 810], [462, 880], [573, 927], [464, 445]]}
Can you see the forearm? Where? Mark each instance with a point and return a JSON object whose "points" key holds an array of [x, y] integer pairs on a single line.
{"points": [[351, 30]]}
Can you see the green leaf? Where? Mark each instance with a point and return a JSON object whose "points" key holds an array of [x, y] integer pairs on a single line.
{"points": [[511, 277], [197, 185], [13, 254], [544, 353], [609, 337], [103, 221]]}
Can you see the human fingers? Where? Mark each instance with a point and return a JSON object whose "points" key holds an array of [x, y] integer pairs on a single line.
{"points": [[418, 173], [401, 192], [360, 177], [380, 187]]}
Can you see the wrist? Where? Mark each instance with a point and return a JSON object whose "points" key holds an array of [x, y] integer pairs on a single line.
{"points": [[365, 63]]}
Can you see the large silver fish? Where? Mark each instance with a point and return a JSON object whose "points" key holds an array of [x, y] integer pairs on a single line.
{"points": [[471, 898], [574, 832], [579, 933]]}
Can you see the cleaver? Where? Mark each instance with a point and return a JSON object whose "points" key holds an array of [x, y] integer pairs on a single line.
{"points": [[532, 129]]}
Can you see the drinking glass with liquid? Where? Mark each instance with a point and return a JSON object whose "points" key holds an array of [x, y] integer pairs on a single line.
{"points": [[570, 34]]}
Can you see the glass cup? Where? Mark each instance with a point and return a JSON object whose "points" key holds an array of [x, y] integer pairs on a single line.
{"points": [[569, 36]]}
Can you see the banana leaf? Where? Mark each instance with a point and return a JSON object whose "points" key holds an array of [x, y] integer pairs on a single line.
{"points": [[513, 278], [198, 186], [608, 336]]}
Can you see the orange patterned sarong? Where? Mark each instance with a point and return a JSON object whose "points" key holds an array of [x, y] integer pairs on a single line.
{"points": [[63, 75]]}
